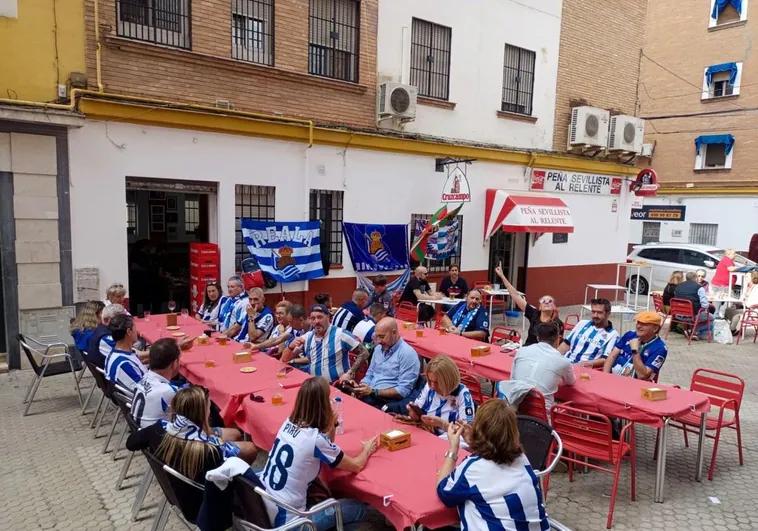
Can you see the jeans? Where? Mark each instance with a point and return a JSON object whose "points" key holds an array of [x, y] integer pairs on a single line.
{"points": [[353, 513]]}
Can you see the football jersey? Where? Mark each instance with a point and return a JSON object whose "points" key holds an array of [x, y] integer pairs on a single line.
{"points": [[264, 321], [152, 397], [490, 496], [124, 368], [293, 463], [364, 330], [653, 354], [347, 316], [229, 313], [329, 355], [458, 406], [587, 343], [106, 345]]}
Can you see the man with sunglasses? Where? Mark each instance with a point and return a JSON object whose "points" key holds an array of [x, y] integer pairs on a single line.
{"points": [[591, 340]]}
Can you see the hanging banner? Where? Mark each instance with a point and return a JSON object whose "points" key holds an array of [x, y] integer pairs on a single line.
{"points": [[456, 189], [377, 247], [286, 250], [442, 243], [575, 183]]}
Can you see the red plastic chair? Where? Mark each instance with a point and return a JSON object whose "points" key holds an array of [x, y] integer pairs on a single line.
{"points": [[749, 318], [589, 435], [725, 392], [533, 404], [406, 311], [681, 311], [475, 386], [570, 322], [501, 333], [658, 302]]}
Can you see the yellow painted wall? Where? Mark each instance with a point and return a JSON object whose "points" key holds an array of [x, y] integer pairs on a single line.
{"points": [[30, 67]]}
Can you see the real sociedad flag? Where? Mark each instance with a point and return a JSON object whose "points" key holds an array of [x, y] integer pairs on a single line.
{"points": [[377, 247], [286, 250]]}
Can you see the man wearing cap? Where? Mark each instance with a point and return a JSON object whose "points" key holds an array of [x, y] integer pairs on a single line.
{"points": [[326, 348], [641, 352]]}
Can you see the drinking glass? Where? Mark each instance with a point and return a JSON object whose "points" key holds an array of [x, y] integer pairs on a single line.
{"points": [[185, 314], [171, 306]]}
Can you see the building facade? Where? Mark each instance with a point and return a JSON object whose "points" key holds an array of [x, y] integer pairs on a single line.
{"points": [[696, 93]]}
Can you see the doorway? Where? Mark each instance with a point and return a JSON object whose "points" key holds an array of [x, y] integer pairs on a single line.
{"points": [[163, 218], [501, 250]]}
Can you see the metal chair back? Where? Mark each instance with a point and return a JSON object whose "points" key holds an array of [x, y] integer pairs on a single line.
{"points": [[538, 440], [722, 388], [502, 333], [584, 432], [248, 504]]}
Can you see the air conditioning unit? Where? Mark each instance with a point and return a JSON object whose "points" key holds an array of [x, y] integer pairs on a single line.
{"points": [[625, 133], [589, 127], [395, 100]]}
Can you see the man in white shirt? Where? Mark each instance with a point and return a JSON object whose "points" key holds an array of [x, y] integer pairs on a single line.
{"points": [[591, 340], [538, 366]]}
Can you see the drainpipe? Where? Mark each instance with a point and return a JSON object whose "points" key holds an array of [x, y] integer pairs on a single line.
{"points": [[97, 48]]}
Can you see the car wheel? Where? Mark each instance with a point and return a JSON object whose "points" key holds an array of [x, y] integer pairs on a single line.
{"points": [[637, 284]]}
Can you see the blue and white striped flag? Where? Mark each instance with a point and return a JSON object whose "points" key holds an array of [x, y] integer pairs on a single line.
{"points": [[286, 250]]}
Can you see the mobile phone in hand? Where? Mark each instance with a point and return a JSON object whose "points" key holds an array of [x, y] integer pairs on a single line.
{"points": [[416, 410]]}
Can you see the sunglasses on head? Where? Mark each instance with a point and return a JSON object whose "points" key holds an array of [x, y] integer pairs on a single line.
{"points": [[547, 301]]}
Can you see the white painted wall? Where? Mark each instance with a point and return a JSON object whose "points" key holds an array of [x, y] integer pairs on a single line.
{"points": [[380, 187], [480, 31], [737, 218]]}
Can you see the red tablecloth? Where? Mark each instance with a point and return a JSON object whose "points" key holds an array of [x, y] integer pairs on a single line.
{"points": [[408, 476], [610, 394]]}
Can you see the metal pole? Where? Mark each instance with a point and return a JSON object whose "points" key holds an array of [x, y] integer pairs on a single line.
{"points": [[660, 471], [700, 448]]}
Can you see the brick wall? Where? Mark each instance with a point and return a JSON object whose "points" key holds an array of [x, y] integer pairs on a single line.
{"points": [[207, 72], [599, 58], [683, 46]]}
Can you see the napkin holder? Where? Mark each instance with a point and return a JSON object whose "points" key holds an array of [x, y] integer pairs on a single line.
{"points": [[479, 351], [395, 440], [171, 319], [242, 357], [653, 393]]}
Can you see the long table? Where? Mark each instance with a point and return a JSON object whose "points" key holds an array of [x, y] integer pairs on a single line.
{"points": [[385, 483], [610, 394]]}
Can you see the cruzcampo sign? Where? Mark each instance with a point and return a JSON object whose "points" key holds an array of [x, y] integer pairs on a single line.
{"points": [[574, 182]]}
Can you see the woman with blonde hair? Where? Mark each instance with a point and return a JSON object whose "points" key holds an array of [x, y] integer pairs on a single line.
{"points": [[84, 325], [115, 294], [444, 399], [494, 487], [304, 442], [186, 442]]}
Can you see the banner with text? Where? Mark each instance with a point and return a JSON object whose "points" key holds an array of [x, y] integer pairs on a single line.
{"points": [[659, 212], [575, 182], [286, 250], [377, 247]]}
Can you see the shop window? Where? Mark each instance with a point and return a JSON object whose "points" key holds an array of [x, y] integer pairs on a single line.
{"points": [[447, 245], [253, 31], [430, 59]]}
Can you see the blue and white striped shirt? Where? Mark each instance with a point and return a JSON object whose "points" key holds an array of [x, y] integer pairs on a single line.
{"points": [[264, 322], [124, 368], [458, 406], [329, 355], [229, 312], [587, 343], [490, 496]]}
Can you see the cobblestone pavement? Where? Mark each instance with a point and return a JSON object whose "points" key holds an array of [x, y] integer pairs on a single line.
{"points": [[54, 475]]}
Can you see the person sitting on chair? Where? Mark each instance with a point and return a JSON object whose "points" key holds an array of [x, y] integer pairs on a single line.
{"points": [[280, 333], [539, 366], [494, 487], [84, 325], [468, 318], [692, 291], [325, 349], [255, 322], [591, 340], [101, 343], [351, 312], [378, 312], [418, 289], [123, 366], [393, 371], [381, 296], [444, 399], [304, 442], [454, 285], [641, 352], [213, 300], [233, 307], [115, 294]]}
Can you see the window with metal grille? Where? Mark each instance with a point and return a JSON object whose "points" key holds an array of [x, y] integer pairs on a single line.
{"points": [[651, 231], [191, 214], [164, 22], [326, 207], [518, 80], [430, 59], [703, 233], [254, 202], [433, 265], [131, 215], [253, 31], [333, 41]]}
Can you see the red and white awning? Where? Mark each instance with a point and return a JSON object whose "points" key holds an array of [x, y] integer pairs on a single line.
{"points": [[525, 213]]}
